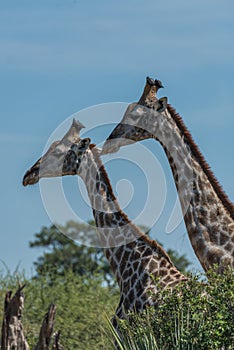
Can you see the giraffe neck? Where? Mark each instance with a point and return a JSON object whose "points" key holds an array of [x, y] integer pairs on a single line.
{"points": [[133, 257], [208, 213], [109, 217]]}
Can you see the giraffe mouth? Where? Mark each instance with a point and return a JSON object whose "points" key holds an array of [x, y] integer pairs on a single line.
{"points": [[31, 176], [113, 145]]}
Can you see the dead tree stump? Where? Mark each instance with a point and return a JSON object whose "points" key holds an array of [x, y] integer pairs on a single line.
{"points": [[46, 329], [12, 329]]}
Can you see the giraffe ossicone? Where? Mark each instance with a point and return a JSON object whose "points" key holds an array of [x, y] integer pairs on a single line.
{"points": [[139, 264], [208, 212]]}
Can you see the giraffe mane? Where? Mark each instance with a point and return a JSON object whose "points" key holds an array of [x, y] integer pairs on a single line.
{"points": [[141, 234], [201, 160]]}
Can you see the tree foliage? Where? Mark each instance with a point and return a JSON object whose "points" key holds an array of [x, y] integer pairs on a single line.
{"points": [[62, 252]]}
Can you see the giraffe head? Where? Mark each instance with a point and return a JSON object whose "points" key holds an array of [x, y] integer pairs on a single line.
{"points": [[134, 125], [62, 158]]}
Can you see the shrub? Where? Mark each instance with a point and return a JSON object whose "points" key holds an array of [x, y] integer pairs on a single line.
{"points": [[195, 315]]}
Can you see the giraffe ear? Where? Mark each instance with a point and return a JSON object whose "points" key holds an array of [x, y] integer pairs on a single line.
{"points": [[162, 104], [77, 125]]}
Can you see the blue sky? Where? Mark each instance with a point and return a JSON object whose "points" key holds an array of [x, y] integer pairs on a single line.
{"points": [[59, 57]]}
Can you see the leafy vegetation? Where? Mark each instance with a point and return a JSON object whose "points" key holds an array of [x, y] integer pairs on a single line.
{"points": [[83, 308], [194, 315], [61, 252]]}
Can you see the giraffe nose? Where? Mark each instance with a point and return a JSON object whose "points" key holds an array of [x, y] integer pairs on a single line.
{"points": [[31, 176], [111, 144]]}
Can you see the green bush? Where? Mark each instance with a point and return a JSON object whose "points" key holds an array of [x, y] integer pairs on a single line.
{"points": [[194, 315]]}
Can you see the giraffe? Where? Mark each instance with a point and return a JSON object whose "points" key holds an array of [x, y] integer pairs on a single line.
{"points": [[208, 212], [139, 264]]}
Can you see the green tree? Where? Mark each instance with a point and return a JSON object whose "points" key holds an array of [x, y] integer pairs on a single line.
{"points": [[61, 253]]}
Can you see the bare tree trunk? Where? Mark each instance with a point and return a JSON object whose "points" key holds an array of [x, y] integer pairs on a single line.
{"points": [[12, 328], [46, 329]]}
